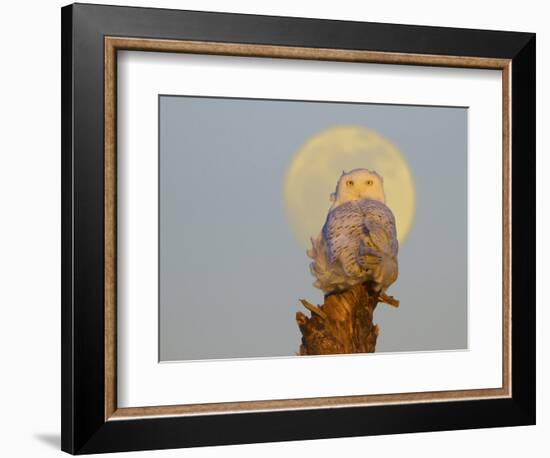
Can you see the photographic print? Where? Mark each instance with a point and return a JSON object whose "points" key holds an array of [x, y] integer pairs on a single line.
{"points": [[306, 217], [291, 227]]}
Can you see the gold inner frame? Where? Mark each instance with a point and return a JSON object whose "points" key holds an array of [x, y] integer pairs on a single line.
{"points": [[112, 45]]}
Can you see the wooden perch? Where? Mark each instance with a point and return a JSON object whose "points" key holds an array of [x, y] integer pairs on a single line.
{"points": [[343, 324]]}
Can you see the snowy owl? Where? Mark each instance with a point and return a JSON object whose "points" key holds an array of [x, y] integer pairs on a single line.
{"points": [[358, 242]]}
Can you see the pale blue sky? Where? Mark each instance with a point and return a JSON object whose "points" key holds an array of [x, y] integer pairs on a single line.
{"points": [[231, 271]]}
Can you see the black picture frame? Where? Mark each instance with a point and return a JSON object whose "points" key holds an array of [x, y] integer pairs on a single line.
{"points": [[84, 427]]}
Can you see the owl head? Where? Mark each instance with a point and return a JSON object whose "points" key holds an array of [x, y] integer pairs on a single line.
{"points": [[358, 184]]}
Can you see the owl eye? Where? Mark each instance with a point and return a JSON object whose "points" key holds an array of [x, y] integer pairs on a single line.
{"points": [[369, 182], [349, 182]]}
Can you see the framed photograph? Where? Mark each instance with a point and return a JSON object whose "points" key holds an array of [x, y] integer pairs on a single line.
{"points": [[282, 228]]}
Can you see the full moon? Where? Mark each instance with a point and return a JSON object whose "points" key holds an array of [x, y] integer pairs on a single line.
{"points": [[315, 168]]}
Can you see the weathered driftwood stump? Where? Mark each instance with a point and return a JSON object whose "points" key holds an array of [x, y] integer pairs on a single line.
{"points": [[343, 324]]}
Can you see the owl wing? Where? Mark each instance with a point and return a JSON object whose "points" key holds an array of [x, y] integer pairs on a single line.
{"points": [[379, 227], [378, 249], [342, 232]]}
